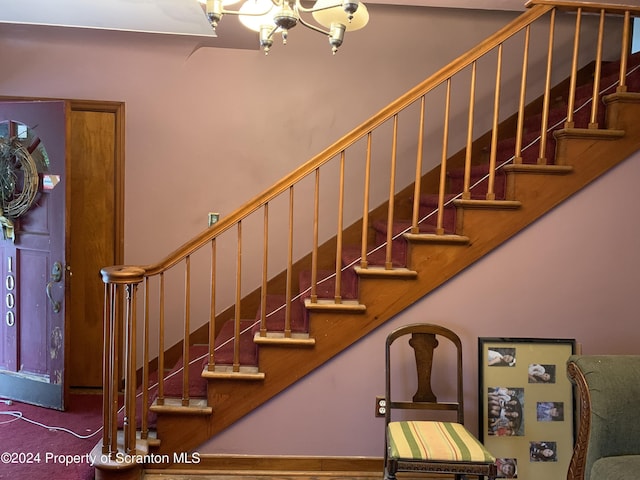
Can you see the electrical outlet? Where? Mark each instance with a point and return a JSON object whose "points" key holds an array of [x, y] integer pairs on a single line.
{"points": [[381, 406], [213, 218]]}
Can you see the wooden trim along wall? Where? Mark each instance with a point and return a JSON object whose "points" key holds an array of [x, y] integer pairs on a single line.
{"points": [[240, 465], [249, 467]]}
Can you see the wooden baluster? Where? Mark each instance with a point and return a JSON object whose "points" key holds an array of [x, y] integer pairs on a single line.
{"points": [[517, 155], [289, 287], [265, 262], [574, 72], [365, 203], [211, 364], [314, 252], [144, 428], [491, 195], [542, 160], [338, 285], [130, 369], [187, 329], [236, 327], [212, 311], [116, 329], [466, 192], [443, 162], [160, 399], [388, 265], [415, 228], [593, 123], [625, 51], [107, 369]]}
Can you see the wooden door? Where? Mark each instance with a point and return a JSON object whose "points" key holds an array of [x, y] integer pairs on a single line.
{"points": [[95, 230], [93, 224], [33, 254]]}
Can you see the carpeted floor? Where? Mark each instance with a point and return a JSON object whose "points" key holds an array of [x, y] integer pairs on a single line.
{"points": [[37, 442]]}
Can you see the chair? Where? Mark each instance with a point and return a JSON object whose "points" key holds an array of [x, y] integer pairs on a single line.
{"points": [[421, 445], [607, 443]]}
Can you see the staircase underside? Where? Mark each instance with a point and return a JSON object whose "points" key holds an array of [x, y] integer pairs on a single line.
{"points": [[582, 155]]}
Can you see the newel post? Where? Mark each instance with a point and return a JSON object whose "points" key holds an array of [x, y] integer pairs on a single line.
{"points": [[121, 283]]}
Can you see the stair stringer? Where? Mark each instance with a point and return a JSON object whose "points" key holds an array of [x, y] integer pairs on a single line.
{"points": [[590, 153]]}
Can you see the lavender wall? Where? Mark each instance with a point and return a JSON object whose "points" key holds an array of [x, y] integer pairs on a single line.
{"points": [[207, 129]]}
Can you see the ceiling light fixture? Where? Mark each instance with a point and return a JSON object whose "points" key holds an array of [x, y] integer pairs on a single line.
{"points": [[268, 17]]}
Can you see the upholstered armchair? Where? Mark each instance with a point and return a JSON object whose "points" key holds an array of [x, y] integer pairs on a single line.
{"points": [[607, 445]]}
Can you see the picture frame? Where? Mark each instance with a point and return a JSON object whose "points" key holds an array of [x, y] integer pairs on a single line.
{"points": [[526, 405]]}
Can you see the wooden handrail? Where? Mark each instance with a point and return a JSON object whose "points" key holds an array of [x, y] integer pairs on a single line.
{"points": [[349, 139], [591, 7]]}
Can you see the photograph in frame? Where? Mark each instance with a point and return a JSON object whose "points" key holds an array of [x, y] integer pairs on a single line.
{"points": [[526, 411]]}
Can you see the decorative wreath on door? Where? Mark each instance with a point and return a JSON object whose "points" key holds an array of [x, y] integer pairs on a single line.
{"points": [[18, 183]]}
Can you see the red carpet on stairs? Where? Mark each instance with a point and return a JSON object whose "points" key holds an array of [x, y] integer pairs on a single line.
{"points": [[37, 443]]}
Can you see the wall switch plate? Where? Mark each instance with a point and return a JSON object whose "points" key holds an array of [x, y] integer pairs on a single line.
{"points": [[213, 218]]}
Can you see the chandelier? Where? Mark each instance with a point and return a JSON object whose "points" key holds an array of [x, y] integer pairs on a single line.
{"points": [[268, 17]]}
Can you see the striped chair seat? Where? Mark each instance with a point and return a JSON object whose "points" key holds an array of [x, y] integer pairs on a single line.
{"points": [[435, 441]]}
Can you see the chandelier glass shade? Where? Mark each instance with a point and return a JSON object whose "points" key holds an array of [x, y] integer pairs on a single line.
{"points": [[267, 17]]}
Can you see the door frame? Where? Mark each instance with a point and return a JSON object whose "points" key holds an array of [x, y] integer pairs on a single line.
{"points": [[117, 109]]}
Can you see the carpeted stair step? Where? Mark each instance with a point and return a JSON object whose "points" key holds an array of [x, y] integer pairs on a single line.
{"points": [[223, 353], [428, 211], [275, 315], [613, 67], [530, 150], [479, 181], [326, 285], [399, 245], [198, 354], [173, 385], [633, 78], [376, 257], [556, 118], [609, 82]]}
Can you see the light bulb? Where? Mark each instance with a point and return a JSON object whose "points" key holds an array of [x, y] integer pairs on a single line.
{"points": [[328, 16], [256, 13]]}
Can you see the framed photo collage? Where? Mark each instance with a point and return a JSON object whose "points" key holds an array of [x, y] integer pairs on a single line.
{"points": [[527, 405]]}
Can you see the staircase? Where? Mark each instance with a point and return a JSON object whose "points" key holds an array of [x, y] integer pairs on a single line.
{"points": [[446, 216]]}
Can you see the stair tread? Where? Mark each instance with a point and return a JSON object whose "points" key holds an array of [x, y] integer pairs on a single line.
{"points": [[534, 168], [508, 204], [280, 338], [196, 406], [329, 304], [378, 271], [599, 133], [226, 372], [437, 238]]}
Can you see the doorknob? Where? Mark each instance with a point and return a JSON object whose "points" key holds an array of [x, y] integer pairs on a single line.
{"points": [[56, 276]]}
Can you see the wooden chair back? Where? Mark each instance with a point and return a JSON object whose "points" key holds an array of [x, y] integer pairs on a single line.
{"points": [[424, 339]]}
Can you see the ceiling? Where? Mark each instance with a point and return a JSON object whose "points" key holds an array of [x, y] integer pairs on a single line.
{"points": [[175, 17], [515, 5]]}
